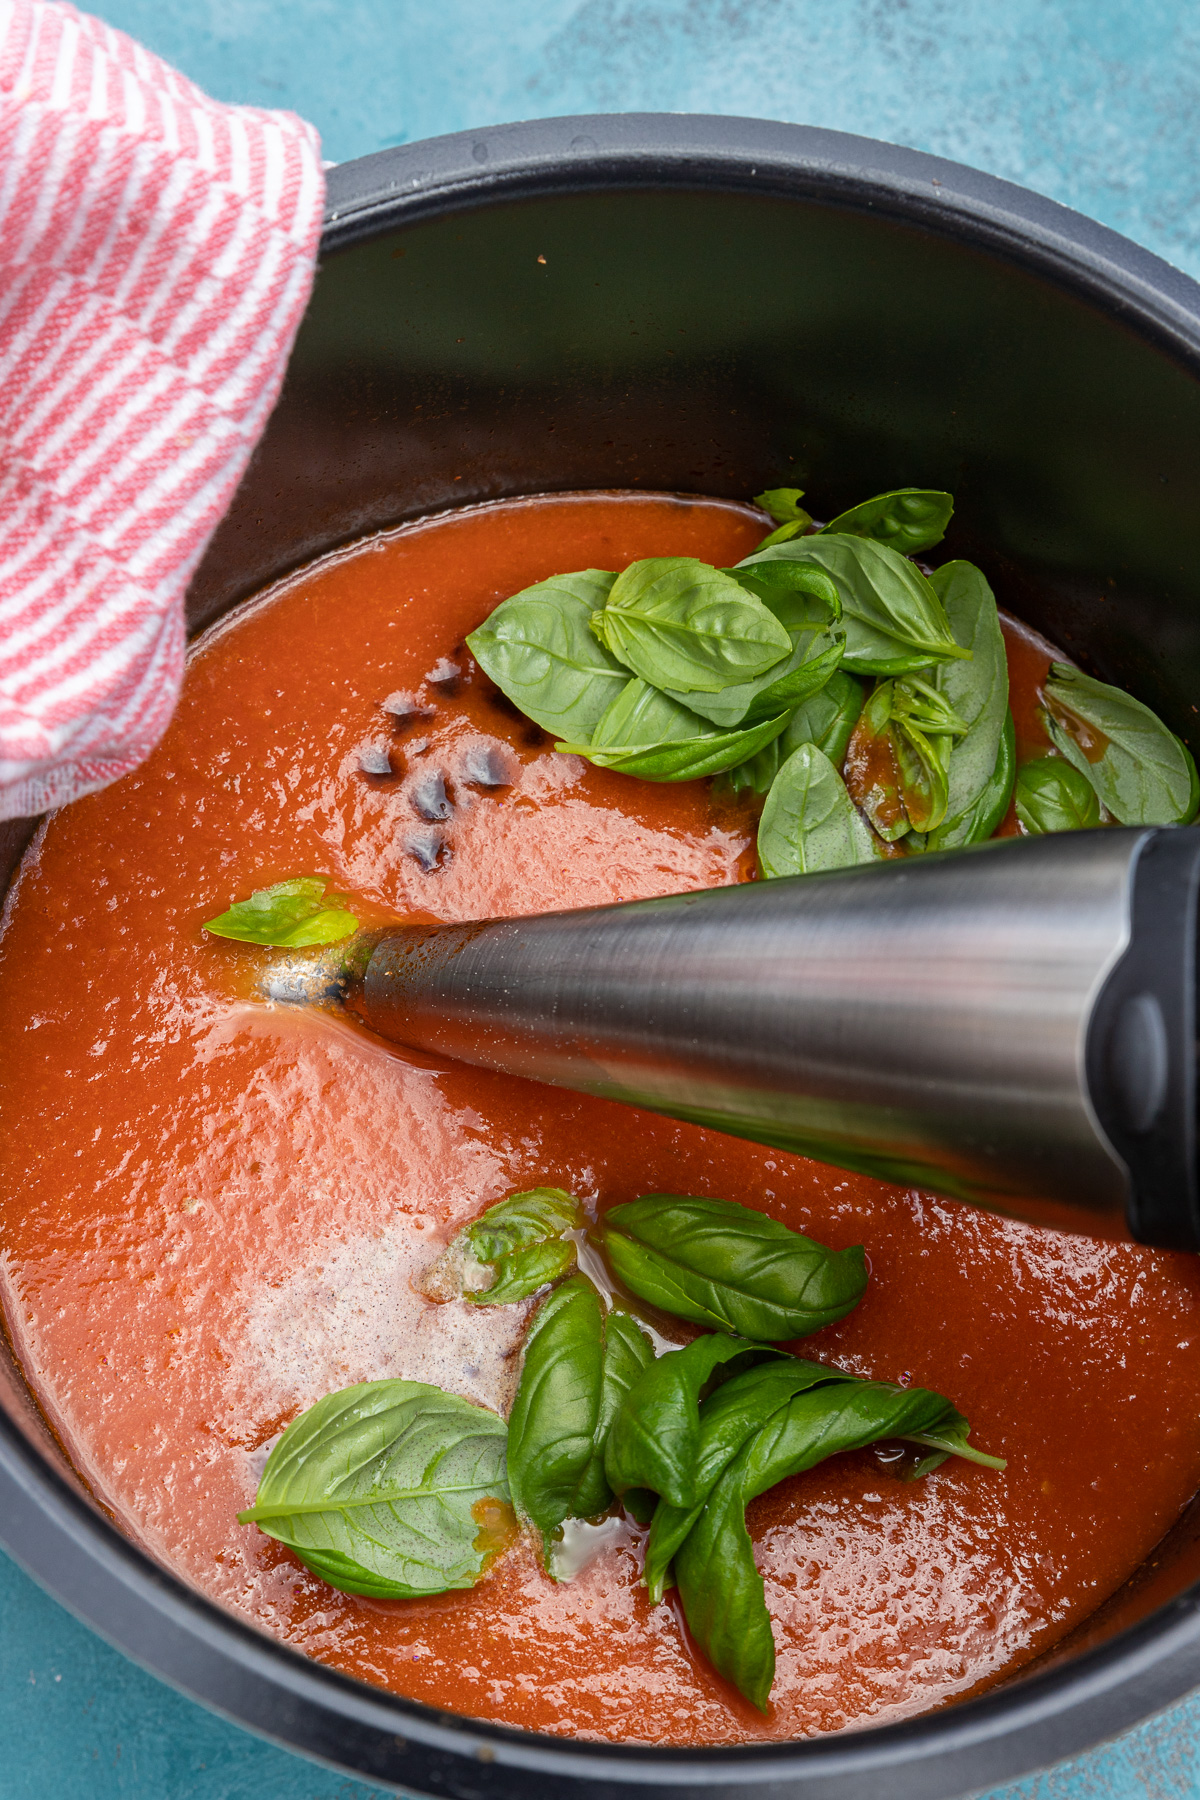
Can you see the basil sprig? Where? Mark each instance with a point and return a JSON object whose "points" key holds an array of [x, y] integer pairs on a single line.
{"points": [[810, 822], [379, 1489], [720, 1588], [893, 618], [1139, 770], [730, 1268], [978, 692], [654, 1441], [522, 1240], [688, 627], [578, 1365], [644, 732], [291, 915], [897, 761], [538, 650], [790, 517], [906, 519], [1052, 795], [805, 602]]}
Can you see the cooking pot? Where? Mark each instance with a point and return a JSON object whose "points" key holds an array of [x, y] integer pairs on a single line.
{"points": [[708, 306]]}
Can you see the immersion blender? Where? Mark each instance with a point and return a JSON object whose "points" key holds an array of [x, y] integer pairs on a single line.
{"points": [[1012, 1025]]}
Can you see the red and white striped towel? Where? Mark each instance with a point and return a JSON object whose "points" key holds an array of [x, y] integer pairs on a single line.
{"points": [[156, 253]]}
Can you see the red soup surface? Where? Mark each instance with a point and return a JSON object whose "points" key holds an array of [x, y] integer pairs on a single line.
{"points": [[213, 1211]]}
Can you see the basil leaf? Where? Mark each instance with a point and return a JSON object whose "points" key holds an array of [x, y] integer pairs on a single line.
{"points": [[896, 762], [1141, 771], [727, 1267], [686, 626], [538, 650], [576, 1369], [921, 762], [906, 519], [655, 1435], [791, 518], [893, 618], [983, 817], [977, 690], [1052, 795], [805, 602], [809, 821], [784, 533], [521, 1238], [826, 719], [721, 1590], [291, 914], [782, 505], [729, 1418], [521, 1220], [522, 1272], [627, 1353], [378, 1489], [646, 733]]}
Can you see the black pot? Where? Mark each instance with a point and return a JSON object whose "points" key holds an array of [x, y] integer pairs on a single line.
{"points": [[709, 305]]}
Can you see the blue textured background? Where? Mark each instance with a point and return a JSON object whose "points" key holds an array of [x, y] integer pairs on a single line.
{"points": [[1095, 102]]}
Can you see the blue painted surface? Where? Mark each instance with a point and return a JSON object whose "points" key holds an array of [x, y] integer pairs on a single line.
{"points": [[1094, 102]]}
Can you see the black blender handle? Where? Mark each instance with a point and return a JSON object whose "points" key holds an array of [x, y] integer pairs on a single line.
{"points": [[1141, 1043]]}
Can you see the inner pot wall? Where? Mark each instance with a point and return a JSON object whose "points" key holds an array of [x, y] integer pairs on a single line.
{"points": [[708, 306]]}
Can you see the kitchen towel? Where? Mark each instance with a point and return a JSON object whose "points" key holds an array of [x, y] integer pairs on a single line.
{"points": [[156, 253]]}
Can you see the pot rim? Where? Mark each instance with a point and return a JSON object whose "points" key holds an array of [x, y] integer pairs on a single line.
{"points": [[172, 1630]]}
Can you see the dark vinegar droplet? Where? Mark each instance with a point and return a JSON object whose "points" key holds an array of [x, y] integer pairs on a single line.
{"points": [[429, 796], [373, 759], [484, 766], [427, 849]]}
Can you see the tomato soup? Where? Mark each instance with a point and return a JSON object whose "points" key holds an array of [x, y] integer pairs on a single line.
{"points": [[214, 1211]]}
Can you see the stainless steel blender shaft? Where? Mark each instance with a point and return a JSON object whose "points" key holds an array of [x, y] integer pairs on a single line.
{"points": [[1011, 1025]]}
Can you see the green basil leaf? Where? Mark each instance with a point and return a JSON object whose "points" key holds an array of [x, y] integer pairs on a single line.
{"points": [[906, 519], [522, 1272], [732, 1269], [1141, 771], [654, 1440], [896, 762], [1052, 795], [378, 1489], [791, 518], [784, 533], [576, 1369], [523, 1219], [628, 1352], [291, 914], [538, 650], [921, 761], [872, 769], [686, 626], [977, 690], [827, 719], [729, 1418], [893, 618], [782, 505], [983, 817], [721, 1590], [522, 1239], [809, 821], [805, 602], [646, 733]]}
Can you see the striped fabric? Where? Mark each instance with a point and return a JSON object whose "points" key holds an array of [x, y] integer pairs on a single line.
{"points": [[156, 253]]}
